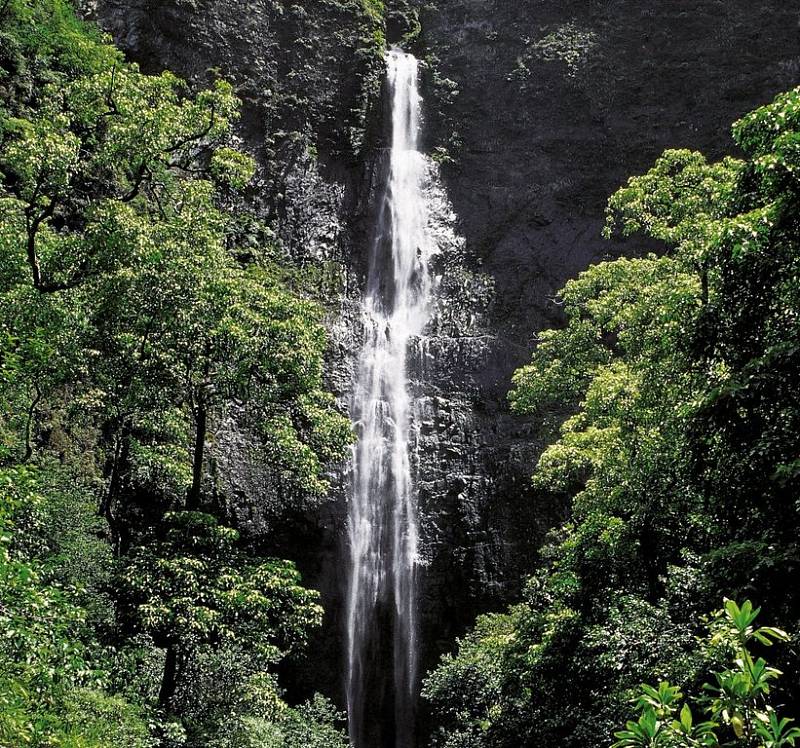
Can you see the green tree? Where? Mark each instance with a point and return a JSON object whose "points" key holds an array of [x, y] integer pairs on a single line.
{"points": [[192, 588], [119, 282], [679, 376], [737, 705], [53, 673], [132, 324]]}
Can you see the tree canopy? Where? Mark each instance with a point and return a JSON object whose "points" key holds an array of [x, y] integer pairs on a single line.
{"points": [[678, 456], [133, 323]]}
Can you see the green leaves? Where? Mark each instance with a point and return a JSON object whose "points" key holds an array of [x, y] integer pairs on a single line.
{"points": [[194, 587], [51, 668], [662, 699], [738, 703], [44, 158], [677, 201], [674, 382], [732, 627], [132, 327], [646, 731], [776, 732], [115, 259], [232, 167], [685, 719], [657, 727]]}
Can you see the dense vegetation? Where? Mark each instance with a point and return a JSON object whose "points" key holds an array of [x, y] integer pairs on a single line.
{"points": [[142, 308], [680, 375], [135, 317]]}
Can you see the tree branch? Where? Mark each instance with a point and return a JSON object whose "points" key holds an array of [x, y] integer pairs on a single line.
{"points": [[32, 226], [197, 136], [142, 172], [29, 423]]}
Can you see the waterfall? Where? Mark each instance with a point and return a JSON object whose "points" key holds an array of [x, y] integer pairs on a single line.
{"points": [[382, 626]]}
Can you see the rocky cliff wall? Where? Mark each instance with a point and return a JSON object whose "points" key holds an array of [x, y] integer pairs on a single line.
{"points": [[538, 110]]}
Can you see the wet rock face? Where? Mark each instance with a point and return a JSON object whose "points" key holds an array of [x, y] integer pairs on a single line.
{"points": [[307, 75], [542, 108], [559, 101], [305, 72]]}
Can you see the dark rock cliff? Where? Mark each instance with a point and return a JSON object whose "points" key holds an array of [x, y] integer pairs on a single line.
{"points": [[539, 109]]}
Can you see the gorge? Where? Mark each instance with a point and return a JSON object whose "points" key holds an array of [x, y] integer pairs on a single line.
{"points": [[531, 160], [283, 345]]}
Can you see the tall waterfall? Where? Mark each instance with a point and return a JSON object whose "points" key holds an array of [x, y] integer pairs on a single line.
{"points": [[382, 636]]}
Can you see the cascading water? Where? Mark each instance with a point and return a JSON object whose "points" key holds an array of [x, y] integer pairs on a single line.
{"points": [[382, 634]]}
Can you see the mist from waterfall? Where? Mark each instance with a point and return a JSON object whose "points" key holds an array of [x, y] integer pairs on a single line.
{"points": [[382, 616]]}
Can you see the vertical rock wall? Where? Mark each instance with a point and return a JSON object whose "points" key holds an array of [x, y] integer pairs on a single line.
{"points": [[540, 109]]}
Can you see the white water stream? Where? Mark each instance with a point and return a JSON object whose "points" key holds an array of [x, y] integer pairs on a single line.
{"points": [[382, 625]]}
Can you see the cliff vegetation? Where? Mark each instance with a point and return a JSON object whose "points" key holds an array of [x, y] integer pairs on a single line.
{"points": [[146, 301], [132, 321], [679, 461]]}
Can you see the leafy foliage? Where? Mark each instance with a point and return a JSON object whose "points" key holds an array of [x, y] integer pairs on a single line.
{"points": [[132, 326], [678, 458], [52, 673], [737, 707], [193, 588], [119, 281]]}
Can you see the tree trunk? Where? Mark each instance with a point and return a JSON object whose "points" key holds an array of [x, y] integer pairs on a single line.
{"points": [[119, 468], [29, 424], [201, 424], [169, 681]]}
